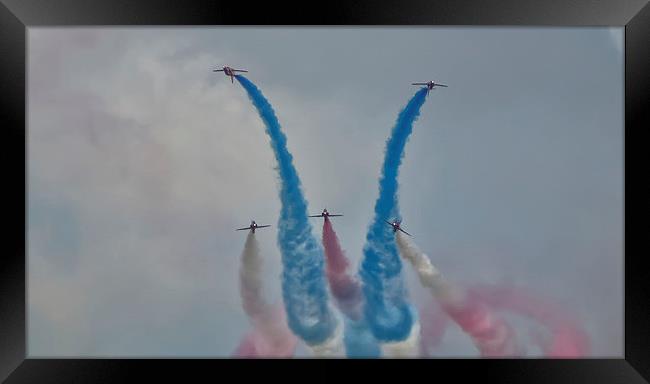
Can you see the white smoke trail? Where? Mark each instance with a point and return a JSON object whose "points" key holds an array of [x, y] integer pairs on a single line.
{"points": [[410, 347], [251, 283], [333, 346], [429, 275], [270, 336], [491, 334]]}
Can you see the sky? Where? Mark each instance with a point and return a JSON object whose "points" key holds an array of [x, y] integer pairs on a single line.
{"points": [[142, 162]]}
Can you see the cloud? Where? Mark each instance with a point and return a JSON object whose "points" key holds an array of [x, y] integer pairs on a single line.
{"points": [[139, 160]]}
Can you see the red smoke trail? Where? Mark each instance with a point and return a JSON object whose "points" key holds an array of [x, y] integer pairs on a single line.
{"points": [[345, 289], [248, 346], [474, 311], [491, 334], [568, 339], [272, 339]]}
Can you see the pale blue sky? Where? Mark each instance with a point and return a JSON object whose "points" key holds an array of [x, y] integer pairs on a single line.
{"points": [[141, 162]]}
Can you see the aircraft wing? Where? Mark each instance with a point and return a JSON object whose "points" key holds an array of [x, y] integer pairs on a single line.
{"points": [[336, 215], [263, 226], [418, 83], [441, 85], [405, 232], [243, 229], [217, 70], [315, 215], [240, 70]]}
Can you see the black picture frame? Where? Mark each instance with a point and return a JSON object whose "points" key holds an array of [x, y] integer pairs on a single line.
{"points": [[17, 15]]}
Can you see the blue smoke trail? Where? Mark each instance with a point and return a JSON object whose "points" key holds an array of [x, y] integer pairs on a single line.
{"points": [[387, 310], [303, 285], [359, 341]]}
